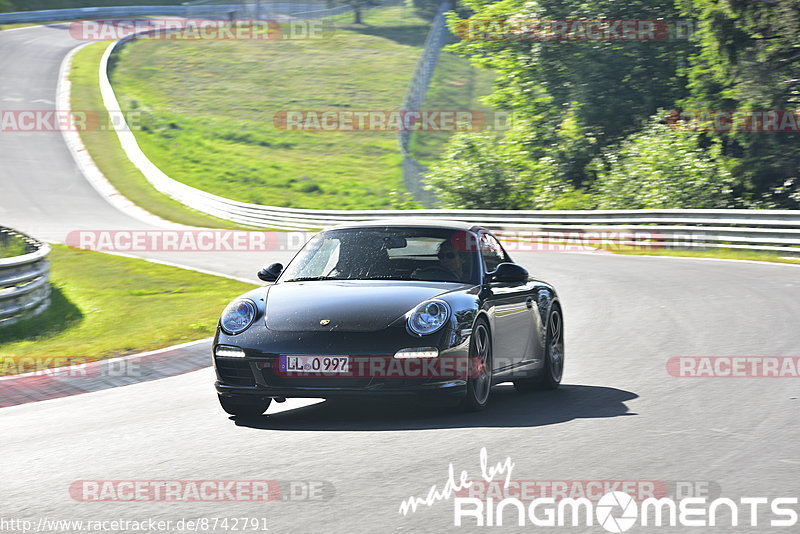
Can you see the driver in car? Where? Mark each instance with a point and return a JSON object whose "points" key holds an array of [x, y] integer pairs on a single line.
{"points": [[451, 259], [451, 267]]}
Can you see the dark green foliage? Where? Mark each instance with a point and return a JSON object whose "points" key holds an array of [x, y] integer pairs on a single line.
{"points": [[749, 59], [586, 110], [662, 167]]}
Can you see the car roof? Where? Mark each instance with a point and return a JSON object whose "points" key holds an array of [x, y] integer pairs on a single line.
{"points": [[400, 222]]}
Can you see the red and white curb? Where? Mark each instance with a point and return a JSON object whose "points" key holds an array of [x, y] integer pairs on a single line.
{"points": [[104, 374]]}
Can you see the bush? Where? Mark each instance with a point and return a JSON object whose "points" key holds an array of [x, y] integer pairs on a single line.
{"points": [[480, 171], [474, 173], [662, 167]]}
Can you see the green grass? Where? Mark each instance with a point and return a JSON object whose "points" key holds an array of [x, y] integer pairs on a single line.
{"points": [[721, 253], [103, 145], [208, 109], [104, 306], [206, 113], [11, 246]]}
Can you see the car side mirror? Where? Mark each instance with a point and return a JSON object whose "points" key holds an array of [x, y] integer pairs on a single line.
{"points": [[510, 272], [271, 272]]}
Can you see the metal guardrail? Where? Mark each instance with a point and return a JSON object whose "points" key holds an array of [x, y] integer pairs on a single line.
{"points": [[413, 171], [239, 10], [280, 11], [24, 287], [267, 9], [775, 230], [111, 12]]}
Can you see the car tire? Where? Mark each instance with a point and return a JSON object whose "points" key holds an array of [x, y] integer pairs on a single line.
{"points": [[553, 371], [244, 407], [480, 386]]}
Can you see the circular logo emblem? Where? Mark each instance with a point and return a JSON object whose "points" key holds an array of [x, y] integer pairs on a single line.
{"points": [[624, 519]]}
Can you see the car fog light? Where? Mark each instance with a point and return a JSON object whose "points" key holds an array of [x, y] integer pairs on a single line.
{"points": [[418, 352]]}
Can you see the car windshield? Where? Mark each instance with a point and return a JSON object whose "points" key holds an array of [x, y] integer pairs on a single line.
{"points": [[432, 254]]}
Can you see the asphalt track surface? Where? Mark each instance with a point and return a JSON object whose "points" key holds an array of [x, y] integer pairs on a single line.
{"points": [[618, 416]]}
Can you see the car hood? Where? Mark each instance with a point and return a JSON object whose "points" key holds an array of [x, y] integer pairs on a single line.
{"points": [[349, 306]]}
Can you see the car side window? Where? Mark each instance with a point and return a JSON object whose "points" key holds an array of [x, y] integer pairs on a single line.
{"points": [[491, 252]]}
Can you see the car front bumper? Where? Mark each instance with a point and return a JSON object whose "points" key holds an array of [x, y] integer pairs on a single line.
{"points": [[452, 388], [260, 377]]}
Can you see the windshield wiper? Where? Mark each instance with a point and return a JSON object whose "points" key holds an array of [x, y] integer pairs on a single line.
{"points": [[387, 277], [313, 278]]}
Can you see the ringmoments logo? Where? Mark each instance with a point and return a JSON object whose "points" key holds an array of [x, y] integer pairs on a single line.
{"points": [[608, 504], [614, 511]]}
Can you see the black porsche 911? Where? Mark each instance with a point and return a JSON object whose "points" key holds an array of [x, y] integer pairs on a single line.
{"points": [[395, 307]]}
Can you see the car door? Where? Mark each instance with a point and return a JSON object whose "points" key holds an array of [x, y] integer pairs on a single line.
{"points": [[510, 304]]}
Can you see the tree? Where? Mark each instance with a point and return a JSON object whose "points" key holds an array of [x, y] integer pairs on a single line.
{"points": [[357, 5], [577, 96], [662, 166], [429, 8], [749, 59]]}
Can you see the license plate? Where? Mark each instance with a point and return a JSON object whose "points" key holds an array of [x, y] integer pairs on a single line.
{"points": [[315, 364]]}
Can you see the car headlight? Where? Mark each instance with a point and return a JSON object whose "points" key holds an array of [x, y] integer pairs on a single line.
{"points": [[238, 316], [428, 317]]}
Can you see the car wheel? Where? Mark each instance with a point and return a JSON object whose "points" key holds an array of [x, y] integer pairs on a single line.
{"points": [[244, 407], [550, 376], [479, 383]]}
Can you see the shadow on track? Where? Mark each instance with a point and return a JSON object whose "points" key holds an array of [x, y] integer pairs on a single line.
{"points": [[507, 408]]}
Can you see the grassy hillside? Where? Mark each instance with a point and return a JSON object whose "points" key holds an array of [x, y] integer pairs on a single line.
{"points": [[103, 144], [207, 110]]}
